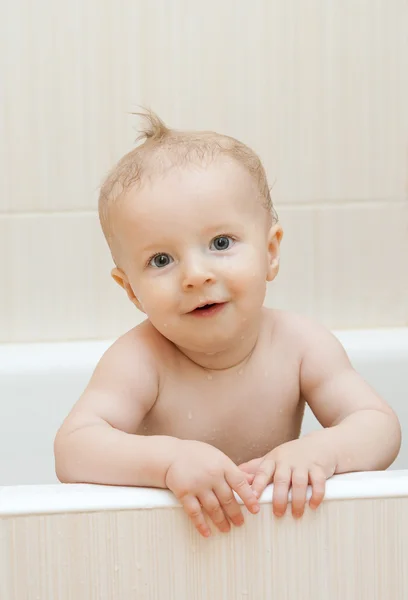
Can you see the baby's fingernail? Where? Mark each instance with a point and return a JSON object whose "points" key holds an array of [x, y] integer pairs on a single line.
{"points": [[256, 494], [256, 508]]}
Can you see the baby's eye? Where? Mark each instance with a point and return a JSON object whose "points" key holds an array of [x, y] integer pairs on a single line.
{"points": [[160, 260], [222, 242]]}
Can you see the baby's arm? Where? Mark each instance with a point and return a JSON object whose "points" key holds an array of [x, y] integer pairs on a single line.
{"points": [[361, 432], [95, 443]]}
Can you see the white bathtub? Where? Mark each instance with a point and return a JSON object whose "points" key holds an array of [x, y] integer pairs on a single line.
{"points": [[62, 542], [40, 382]]}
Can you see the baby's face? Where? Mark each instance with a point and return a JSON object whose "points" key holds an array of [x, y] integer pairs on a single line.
{"points": [[193, 237]]}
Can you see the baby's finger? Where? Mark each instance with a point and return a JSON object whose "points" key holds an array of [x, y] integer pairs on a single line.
{"points": [[193, 509], [249, 477], [212, 507], [263, 476], [251, 466], [318, 481], [281, 484], [229, 503], [237, 481], [300, 480]]}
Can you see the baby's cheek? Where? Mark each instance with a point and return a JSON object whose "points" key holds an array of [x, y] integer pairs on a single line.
{"points": [[250, 272], [157, 291]]}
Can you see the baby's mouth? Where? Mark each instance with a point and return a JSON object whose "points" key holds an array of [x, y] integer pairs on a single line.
{"points": [[207, 309], [206, 306]]}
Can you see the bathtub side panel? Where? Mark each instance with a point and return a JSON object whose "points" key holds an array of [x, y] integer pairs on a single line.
{"points": [[354, 549]]}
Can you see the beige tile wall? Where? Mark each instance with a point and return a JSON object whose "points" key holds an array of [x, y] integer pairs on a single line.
{"points": [[318, 88]]}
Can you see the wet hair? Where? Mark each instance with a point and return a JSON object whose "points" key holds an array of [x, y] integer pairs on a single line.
{"points": [[158, 149]]}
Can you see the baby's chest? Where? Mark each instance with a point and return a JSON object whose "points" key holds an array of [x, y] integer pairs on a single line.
{"points": [[253, 414]]}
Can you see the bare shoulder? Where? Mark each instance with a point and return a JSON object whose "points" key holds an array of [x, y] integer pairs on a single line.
{"points": [[321, 355], [125, 383], [304, 333], [142, 344]]}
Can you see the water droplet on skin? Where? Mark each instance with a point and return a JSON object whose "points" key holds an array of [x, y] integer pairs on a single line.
{"points": [[281, 411], [244, 319], [242, 337], [190, 414], [240, 371], [209, 376], [164, 324]]}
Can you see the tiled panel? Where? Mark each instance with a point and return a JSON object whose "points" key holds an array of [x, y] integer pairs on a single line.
{"points": [[63, 122], [361, 263], [56, 283], [318, 88]]}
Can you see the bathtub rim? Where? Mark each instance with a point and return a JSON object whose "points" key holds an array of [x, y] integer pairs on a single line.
{"points": [[78, 498]]}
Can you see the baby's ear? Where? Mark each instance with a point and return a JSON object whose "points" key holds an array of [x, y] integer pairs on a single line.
{"points": [[122, 279], [274, 239]]}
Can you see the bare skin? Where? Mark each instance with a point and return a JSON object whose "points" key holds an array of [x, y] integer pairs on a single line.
{"points": [[207, 402]]}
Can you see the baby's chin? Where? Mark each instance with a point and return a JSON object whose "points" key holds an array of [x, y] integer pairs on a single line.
{"points": [[198, 341]]}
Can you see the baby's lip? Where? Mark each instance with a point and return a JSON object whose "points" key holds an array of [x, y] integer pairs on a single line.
{"points": [[207, 303]]}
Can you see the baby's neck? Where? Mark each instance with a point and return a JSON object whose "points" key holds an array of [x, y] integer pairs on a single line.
{"points": [[234, 355]]}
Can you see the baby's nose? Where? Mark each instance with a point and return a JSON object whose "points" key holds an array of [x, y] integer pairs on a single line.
{"points": [[196, 273]]}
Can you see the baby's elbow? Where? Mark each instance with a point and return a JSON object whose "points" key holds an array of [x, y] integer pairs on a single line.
{"points": [[63, 476], [394, 437], [398, 436], [63, 473], [63, 465]]}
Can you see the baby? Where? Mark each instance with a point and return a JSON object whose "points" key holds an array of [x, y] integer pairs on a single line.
{"points": [[206, 396]]}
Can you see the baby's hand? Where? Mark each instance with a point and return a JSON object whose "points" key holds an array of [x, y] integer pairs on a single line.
{"points": [[203, 477], [293, 465]]}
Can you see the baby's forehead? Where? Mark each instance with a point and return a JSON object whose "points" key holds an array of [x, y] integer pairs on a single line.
{"points": [[192, 195]]}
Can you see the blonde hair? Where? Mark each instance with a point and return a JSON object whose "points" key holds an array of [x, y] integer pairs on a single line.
{"points": [[162, 148]]}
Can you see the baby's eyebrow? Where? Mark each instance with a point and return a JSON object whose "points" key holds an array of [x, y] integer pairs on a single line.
{"points": [[220, 228], [154, 247]]}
